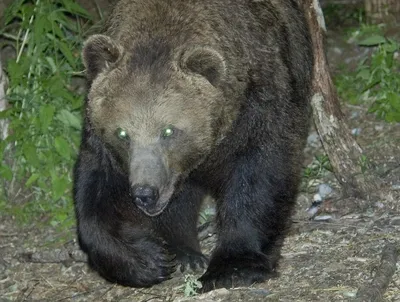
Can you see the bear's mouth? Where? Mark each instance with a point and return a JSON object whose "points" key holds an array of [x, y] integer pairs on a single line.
{"points": [[166, 193]]}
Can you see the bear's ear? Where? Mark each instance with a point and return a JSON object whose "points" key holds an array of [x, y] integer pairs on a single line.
{"points": [[98, 52], [204, 61]]}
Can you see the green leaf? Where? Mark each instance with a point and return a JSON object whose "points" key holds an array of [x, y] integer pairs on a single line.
{"points": [[62, 146], [5, 113], [69, 119], [372, 40], [75, 8], [67, 53], [61, 217], [57, 31], [6, 172], [77, 102], [391, 46], [46, 115], [59, 186], [364, 74], [13, 10], [394, 101], [52, 64], [66, 24], [30, 155], [32, 179], [17, 71], [41, 25]]}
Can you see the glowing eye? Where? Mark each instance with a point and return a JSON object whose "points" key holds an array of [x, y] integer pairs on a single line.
{"points": [[122, 134], [167, 132]]}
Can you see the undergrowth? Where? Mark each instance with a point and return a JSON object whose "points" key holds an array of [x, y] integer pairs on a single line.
{"points": [[376, 80], [45, 110], [36, 159]]}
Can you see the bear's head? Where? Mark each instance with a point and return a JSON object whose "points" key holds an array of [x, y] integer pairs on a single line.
{"points": [[158, 108]]}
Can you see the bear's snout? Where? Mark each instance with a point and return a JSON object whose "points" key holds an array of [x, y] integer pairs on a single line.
{"points": [[144, 195]]}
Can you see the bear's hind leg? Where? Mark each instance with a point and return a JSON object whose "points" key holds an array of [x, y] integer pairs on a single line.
{"points": [[178, 227]]}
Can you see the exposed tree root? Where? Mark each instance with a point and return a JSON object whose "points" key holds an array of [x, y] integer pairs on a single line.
{"points": [[383, 276]]}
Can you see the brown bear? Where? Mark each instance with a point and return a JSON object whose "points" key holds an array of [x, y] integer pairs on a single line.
{"points": [[187, 98]]}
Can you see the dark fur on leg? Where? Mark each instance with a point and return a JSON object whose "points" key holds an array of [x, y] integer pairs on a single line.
{"points": [[116, 235], [178, 226], [255, 191]]}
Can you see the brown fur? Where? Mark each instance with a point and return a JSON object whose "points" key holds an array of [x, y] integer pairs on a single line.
{"points": [[233, 78]]}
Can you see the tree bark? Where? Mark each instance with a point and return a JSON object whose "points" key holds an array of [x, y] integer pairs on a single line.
{"points": [[375, 290], [343, 151], [382, 11], [3, 102]]}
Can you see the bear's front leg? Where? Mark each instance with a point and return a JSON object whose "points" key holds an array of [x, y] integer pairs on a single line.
{"points": [[253, 213], [137, 259], [177, 224], [115, 234]]}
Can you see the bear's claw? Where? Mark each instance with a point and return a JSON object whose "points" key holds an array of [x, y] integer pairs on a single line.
{"points": [[230, 272], [189, 259]]}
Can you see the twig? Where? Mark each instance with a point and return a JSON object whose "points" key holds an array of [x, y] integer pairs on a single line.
{"points": [[8, 234], [53, 256], [383, 276]]}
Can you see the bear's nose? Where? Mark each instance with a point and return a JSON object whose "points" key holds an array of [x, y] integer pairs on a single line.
{"points": [[144, 195]]}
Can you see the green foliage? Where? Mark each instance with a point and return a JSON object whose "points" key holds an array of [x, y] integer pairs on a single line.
{"points": [[364, 163], [316, 169], [45, 112], [206, 215], [191, 286], [376, 78]]}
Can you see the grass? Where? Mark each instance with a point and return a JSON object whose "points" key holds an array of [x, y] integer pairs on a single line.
{"points": [[375, 80], [45, 113]]}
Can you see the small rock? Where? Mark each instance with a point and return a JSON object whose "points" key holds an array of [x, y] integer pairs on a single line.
{"points": [[260, 292], [354, 114], [349, 294], [323, 217], [356, 131], [338, 50], [396, 187], [324, 190], [395, 220], [210, 211], [317, 197], [313, 139], [214, 295], [313, 210], [378, 127]]}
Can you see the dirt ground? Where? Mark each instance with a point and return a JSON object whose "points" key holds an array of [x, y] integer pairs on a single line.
{"points": [[324, 259]]}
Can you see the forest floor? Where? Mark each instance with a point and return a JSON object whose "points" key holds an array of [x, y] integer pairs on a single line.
{"points": [[327, 258]]}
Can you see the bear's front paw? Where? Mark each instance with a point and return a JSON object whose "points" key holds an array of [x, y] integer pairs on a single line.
{"points": [[142, 263], [233, 271], [189, 259]]}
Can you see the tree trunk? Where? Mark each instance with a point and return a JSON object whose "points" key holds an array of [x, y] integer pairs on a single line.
{"points": [[3, 103], [343, 151], [382, 11]]}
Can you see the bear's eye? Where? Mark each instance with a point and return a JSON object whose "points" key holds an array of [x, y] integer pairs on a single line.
{"points": [[168, 131], [122, 134]]}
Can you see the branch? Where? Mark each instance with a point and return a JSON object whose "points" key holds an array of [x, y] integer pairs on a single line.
{"points": [[53, 256], [383, 276]]}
